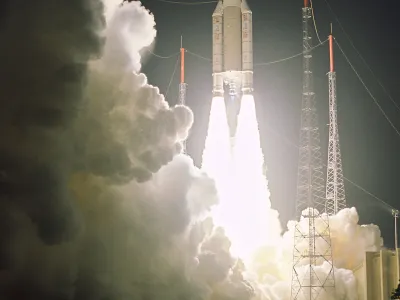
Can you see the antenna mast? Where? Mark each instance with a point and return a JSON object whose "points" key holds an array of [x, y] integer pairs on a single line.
{"points": [[335, 192], [182, 84], [312, 243], [395, 214]]}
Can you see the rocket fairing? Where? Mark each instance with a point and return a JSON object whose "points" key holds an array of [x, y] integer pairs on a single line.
{"points": [[232, 47]]}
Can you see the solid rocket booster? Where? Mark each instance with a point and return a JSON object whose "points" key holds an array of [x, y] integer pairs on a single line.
{"points": [[232, 46]]}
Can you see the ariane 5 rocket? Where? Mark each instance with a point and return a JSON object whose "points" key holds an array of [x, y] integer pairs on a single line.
{"points": [[232, 48]]}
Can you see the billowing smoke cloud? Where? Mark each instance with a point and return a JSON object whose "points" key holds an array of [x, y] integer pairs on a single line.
{"points": [[96, 201], [45, 49], [129, 129], [351, 240]]}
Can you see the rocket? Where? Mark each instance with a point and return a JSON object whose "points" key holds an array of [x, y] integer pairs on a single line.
{"points": [[232, 48]]}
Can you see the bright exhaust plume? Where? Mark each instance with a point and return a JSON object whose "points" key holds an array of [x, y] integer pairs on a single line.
{"points": [[217, 159], [217, 154], [254, 223], [244, 210]]}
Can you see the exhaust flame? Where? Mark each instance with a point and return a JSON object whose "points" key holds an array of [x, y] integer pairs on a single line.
{"points": [[217, 155], [244, 210], [217, 158], [254, 223]]}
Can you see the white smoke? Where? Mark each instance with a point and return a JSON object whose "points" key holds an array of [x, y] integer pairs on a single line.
{"points": [[271, 269], [125, 37], [351, 240], [145, 131], [142, 206]]}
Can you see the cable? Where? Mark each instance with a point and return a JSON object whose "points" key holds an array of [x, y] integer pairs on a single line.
{"points": [[289, 142], [315, 24], [369, 193], [172, 78], [266, 63], [366, 88], [290, 57], [164, 57], [361, 57], [199, 56], [187, 3]]}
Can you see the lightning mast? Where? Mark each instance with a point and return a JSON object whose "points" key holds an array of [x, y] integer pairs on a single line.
{"points": [[312, 244], [335, 193], [182, 84]]}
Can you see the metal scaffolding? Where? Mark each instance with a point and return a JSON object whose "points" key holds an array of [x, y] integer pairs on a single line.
{"points": [[335, 192], [312, 243]]}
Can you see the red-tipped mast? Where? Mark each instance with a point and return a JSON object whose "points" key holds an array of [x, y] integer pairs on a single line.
{"points": [[182, 63], [331, 51], [182, 86], [306, 3]]}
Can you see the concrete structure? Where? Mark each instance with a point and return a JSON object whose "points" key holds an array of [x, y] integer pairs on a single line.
{"points": [[378, 275]]}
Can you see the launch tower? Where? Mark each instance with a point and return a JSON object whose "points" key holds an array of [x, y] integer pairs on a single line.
{"points": [[312, 244], [335, 193], [182, 84]]}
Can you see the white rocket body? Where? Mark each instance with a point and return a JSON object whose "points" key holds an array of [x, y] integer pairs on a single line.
{"points": [[232, 46]]}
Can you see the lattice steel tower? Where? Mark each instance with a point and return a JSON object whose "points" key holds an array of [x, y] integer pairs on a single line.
{"points": [[312, 244], [335, 193], [182, 84]]}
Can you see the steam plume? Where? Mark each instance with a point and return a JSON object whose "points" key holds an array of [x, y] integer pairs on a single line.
{"points": [[97, 202]]}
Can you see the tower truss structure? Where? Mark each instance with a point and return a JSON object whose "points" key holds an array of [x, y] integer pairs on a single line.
{"points": [[312, 243], [335, 192], [182, 84]]}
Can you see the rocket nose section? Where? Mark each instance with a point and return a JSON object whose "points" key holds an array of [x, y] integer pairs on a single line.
{"points": [[245, 7], [228, 3], [219, 9]]}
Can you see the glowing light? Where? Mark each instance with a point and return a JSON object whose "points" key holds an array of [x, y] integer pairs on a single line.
{"points": [[244, 209], [217, 160], [256, 224]]}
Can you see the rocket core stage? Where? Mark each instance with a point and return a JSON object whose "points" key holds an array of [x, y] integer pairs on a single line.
{"points": [[232, 48]]}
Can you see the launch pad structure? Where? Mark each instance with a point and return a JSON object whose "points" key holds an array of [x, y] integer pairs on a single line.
{"points": [[335, 192], [310, 199]]}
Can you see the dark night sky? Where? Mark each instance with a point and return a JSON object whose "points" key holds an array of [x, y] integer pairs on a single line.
{"points": [[369, 145]]}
